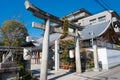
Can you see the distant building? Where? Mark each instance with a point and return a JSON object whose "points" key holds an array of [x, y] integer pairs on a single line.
{"points": [[101, 29], [75, 16], [98, 27]]}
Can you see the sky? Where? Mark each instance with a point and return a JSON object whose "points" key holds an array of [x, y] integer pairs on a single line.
{"points": [[15, 10]]}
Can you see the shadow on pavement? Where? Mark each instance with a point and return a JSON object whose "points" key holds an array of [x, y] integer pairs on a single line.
{"points": [[67, 73], [36, 74], [37, 71], [108, 78], [91, 78]]}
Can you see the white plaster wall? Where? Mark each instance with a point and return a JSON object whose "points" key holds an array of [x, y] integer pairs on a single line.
{"points": [[102, 56], [113, 57], [108, 57], [85, 21]]}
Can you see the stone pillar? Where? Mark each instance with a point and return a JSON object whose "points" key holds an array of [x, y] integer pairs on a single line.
{"points": [[13, 51], [3, 57], [12, 57], [56, 55], [77, 53], [95, 53], [45, 49]]}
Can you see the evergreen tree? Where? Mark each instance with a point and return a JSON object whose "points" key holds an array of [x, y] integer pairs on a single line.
{"points": [[13, 33]]}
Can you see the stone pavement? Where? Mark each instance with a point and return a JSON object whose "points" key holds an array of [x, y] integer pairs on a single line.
{"points": [[67, 75], [112, 74]]}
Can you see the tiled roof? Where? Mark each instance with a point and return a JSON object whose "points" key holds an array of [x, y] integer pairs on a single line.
{"points": [[53, 37], [97, 29], [94, 30]]}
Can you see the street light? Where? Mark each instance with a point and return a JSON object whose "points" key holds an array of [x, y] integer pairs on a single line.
{"points": [[92, 34]]}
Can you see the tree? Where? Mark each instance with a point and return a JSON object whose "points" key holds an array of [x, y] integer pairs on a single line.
{"points": [[13, 33], [65, 28], [0, 38]]}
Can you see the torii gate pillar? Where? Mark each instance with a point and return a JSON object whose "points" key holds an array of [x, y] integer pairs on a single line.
{"points": [[95, 52], [57, 55], [77, 53], [45, 49]]}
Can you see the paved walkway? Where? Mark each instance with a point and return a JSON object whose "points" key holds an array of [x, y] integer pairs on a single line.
{"points": [[67, 75]]}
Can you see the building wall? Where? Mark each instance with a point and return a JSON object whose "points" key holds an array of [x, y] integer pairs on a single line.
{"points": [[76, 16], [102, 56], [86, 21], [113, 57], [108, 57]]}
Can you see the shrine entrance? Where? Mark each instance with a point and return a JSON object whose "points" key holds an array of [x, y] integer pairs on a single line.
{"points": [[55, 28]]}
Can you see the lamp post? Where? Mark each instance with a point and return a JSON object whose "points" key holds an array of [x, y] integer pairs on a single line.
{"points": [[95, 52], [92, 39]]}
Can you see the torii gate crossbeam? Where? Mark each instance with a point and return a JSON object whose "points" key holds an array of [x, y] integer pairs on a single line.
{"points": [[44, 15]]}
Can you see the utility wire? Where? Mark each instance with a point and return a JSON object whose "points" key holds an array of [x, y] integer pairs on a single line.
{"points": [[106, 4], [98, 2], [103, 6]]}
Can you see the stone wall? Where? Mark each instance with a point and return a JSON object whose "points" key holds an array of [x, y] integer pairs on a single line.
{"points": [[9, 70]]}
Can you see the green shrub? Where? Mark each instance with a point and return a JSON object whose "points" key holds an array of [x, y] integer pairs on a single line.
{"points": [[24, 73], [64, 56]]}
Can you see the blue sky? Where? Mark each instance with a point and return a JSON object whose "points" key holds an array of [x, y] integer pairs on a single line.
{"points": [[15, 9]]}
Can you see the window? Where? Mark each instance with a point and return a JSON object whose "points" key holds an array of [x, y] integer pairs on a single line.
{"points": [[102, 18], [92, 21], [70, 17]]}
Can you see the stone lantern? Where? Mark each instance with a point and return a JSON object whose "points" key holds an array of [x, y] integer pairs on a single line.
{"points": [[27, 52]]}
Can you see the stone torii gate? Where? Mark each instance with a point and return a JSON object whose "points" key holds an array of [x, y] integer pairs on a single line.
{"points": [[51, 18]]}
